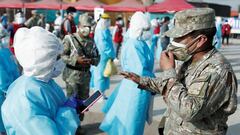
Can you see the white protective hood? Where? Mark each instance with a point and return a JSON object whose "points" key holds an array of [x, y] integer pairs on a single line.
{"points": [[36, 50], [103, 24], [139, 21]]}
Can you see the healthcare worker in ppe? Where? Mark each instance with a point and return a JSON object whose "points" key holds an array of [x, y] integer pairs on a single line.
{"points": [[155, 36], [35, 103], [218, 35], [103, 40], [128, 106], [8, 70]]}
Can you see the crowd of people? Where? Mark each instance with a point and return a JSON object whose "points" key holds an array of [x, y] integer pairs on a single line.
{"points": [[200, 94]]}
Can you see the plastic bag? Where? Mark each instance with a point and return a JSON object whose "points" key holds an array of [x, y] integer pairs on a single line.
{"points": [[110, 69]]}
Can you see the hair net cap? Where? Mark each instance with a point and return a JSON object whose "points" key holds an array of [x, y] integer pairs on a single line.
{"points": [[36, 50], [139, 22]]}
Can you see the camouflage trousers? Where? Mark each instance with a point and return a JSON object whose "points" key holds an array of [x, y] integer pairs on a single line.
{"points": [[80, 89]]}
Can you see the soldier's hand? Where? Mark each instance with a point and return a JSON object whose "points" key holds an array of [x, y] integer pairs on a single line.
{"points": [[167, 60], [83, 60], [131, 76]]}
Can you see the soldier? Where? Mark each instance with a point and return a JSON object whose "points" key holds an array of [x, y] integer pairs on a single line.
{"points": [[33, 21], [201, 95], [42, 21], [80, 52]]}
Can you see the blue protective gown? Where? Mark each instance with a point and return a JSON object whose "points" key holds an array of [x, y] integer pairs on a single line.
{"points": [[158, 50], [34, 107], [103, 40], [8, 73], [218, 36], [153, 44], [127, 108]]}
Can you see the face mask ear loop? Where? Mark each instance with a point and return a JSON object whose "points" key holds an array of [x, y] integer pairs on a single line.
{"points": [[192, 43], [178, 44]]}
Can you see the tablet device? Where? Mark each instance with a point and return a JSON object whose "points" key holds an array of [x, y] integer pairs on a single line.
{"points": [[91, 100]]}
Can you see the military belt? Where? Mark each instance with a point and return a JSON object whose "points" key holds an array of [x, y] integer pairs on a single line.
{"points": [[83, 69]]}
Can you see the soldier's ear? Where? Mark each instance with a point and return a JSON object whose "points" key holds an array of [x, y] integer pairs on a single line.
{"points": [[202, 40]]}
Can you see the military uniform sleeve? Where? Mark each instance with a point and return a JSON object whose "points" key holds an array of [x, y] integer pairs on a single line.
{"points": [[157, 85], [29, 23], [205, 95], [67, 56]]}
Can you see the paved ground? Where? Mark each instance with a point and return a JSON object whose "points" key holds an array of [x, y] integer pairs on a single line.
{"points": [[94, 116]]}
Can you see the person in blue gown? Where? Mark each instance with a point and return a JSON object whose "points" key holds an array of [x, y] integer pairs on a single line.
{"points": [[103, 40], [128, 106], [35, 103], [218, 35], [8, 70], [155, 36]]}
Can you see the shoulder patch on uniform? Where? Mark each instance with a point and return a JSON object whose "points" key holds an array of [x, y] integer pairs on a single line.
{"points": [[198, 86]]}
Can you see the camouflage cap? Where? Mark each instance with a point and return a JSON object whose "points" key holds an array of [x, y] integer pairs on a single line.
{"points": [[85, 20], [189, 20]]}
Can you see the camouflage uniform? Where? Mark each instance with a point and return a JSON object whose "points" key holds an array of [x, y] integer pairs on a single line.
{"points": [[76, 76], [33, 21], [200, 96]]}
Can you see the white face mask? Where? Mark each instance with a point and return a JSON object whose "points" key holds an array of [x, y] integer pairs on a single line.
{"points": [[58, 68], [20, 20], [120, 22], [85, 31]]}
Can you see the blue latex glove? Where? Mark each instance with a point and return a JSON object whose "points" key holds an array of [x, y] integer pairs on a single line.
{"points": [[74, 102]]}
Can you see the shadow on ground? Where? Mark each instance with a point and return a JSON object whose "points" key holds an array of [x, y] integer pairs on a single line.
{"points": [[92, 121]]}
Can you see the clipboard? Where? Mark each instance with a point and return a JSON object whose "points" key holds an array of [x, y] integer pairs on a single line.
{"points": [[89, 102]]}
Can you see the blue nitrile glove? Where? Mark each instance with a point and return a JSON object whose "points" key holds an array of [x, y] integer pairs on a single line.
{"points": [[73, 102]]}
